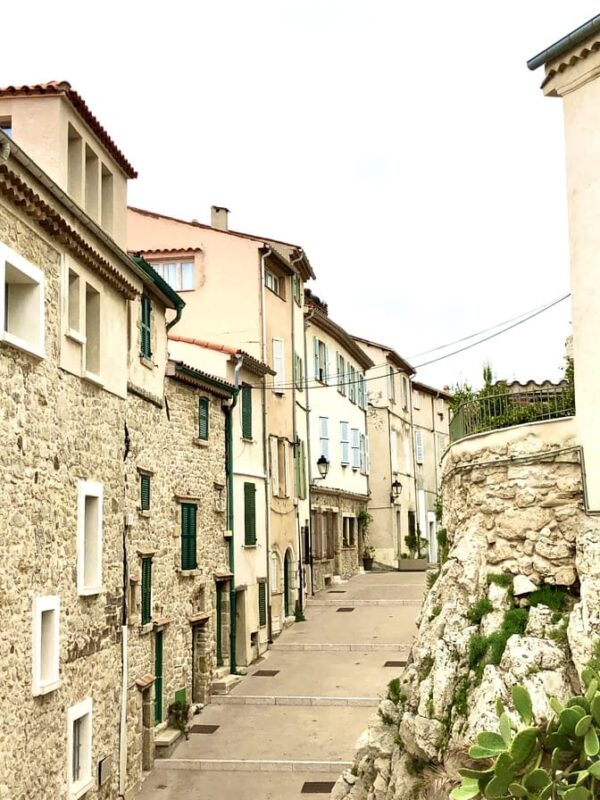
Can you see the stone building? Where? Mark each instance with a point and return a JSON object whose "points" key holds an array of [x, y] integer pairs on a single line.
{"points": [[337, 397], [115, 571]]}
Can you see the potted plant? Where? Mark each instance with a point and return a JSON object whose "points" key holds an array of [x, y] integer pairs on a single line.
{"points": [[364, 520], [368, 556], [416, 560]]}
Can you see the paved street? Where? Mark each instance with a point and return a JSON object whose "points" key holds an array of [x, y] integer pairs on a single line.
{"points": [[277, 734]]}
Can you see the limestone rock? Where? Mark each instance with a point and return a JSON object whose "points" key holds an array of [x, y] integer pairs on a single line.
{"points": [[522, 585], [499, 597], [421, 737]]}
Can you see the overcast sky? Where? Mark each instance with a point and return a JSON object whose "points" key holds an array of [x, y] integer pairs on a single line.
{"points": [[404, 145]]}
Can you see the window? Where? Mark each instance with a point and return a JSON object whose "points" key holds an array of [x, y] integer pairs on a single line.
{"points": [[405, 392], [345, 443], [145, 327], [441, 441], [363, 454], [341, 373], [262, 604], [298, 372], [360, 389], [300, 465], [46, 644], [274, 282], [355, 448], [74, 164], [246, 412], [278, 365], [89, 538], [203, 406], [144, 491], [419, 446], [282, 461], [79, 749], [249, 514], [416, 399], [21, 302], [331, 523], [146, 590], [391, 385], [297, 289], [324, 437], [92, 178], [321, 360], [6, 125], [188, 536], [92, 330], [348, 531], [353, 383], [107, 199], [74, 312], [180, 275]]}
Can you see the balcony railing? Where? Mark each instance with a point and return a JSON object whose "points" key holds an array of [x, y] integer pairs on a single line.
{"points": [[494, 411]]}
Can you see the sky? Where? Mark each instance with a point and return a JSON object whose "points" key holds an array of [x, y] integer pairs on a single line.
{"points": [[404, 145]]}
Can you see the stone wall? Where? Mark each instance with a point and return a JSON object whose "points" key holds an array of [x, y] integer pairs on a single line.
{"points": [[513, 507], [345, 562]]}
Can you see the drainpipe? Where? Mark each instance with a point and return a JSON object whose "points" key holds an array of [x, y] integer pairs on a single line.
{"points": [[414, 463], [307, 319], [228, 407], [176, 318], [263, 256], [124, 634], [296, 444]]}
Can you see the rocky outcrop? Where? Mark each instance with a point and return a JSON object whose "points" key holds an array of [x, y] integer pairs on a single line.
{"points": [[516, 524]]}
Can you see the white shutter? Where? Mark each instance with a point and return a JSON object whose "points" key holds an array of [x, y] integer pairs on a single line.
{"points": [[345, 442], [419, 445], [286, 468], [363, 454], [355, 448], [328, 369], [274, 465], [367, 455], [316, 357], [278, 364], [324, 436]]}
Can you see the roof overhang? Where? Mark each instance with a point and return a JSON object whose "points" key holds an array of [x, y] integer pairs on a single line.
{"points": [[326, 324], [198, 379], [565, 44]]}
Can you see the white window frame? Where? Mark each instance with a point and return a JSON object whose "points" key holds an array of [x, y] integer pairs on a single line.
{"points": [[163, 266], [419, 447], [89, 489], [405, 392], [278, 359], [273, 282], [17, 262], [41, 605], [324, 437], [78, 788], [345, 443], [391, 384], [416, 399], [355, 439]]}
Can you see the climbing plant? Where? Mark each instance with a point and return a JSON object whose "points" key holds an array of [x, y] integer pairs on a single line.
{"points": [[556, 760]]}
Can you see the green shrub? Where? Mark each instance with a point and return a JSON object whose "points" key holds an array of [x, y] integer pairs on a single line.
{"points": [[461, 695], [501, 579], [425, 667], [555, 597], [477, 649], [394, 692], [432, 578], [490, 649], [479, 610]]}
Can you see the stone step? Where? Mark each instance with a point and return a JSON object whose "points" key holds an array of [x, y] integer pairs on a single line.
{"points": [[251, 765], [225, 684], [220, 672], [165, 742], [358, 603], [292, 700], [367, 647]]}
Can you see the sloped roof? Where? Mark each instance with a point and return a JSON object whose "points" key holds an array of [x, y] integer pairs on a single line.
{"points": [[392, 355], [82, 108], [253, 364]]}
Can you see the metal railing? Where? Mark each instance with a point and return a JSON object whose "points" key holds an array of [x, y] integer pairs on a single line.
{"points": [[495, 411]]}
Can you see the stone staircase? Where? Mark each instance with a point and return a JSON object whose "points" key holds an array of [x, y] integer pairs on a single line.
{"points": [[223, 681]]}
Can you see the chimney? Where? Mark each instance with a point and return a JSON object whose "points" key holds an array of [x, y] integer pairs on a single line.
{"points": [[218, 218]]}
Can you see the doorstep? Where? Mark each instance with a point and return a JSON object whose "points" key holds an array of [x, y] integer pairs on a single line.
{"points": [[165, 742]]}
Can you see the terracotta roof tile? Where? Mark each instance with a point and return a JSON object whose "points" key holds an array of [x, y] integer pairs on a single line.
{"points": [[79, 104], [222, 348]]}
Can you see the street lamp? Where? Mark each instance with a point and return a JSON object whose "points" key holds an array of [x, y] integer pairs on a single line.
{"points": [[323, 467], [396, 489]]}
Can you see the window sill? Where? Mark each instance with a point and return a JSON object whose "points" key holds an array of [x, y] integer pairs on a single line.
{"points": [[188, 573], [41, 689], [279, 392], [248, 440], [281, 297], [250, 546], [77, 790], [89, 591], [93, 378], [21, 344], [143, 513], [147, 362], [200, 442], [71, 333], [147, 627]]}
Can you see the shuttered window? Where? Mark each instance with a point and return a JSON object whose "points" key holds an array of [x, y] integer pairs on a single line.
{"points": [[324, 436], [341, 373], [145, 328], [298, 372], [188, 536], [249, 514], [146, 590], [203, 405], [247, 412], [145, 492], [355, 448], [262, 604], [345, 442], [419, 445], [274, 453], [353, 390], [278, 365]]}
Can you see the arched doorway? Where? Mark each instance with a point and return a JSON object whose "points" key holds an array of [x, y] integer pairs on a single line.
{"points": [[287, 566]]}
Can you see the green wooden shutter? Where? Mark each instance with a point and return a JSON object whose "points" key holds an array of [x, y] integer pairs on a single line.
{"points": [[262, 604], [146, 590], [203, 418], [145, 328], [145, 492], [158, 677], [247, 412], [249, 514], [188, 536]]}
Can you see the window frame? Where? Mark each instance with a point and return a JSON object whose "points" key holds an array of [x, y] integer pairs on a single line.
{"points": [[82, 710], [246, 411], [203, 417], [145, 327], [324, 449], [42, 605], [89, 489], [145, 478], [278, 344], [355, 448], [345, 443], [275, 283], [162, 266], [35, 276], [187, 550], [419, 446], [146, 590], [250, 537]]}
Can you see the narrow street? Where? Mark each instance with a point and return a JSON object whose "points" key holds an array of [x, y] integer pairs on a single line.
{"points": [[290, 727]]}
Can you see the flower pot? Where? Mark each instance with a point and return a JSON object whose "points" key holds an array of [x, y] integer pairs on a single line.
{"points": [[367, 562], [413, 564]]}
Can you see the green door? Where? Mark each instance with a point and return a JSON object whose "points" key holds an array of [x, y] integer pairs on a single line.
{"points": [[286, 584], [158, 677], [219, 624]]}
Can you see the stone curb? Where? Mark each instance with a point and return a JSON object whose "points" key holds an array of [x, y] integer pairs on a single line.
{"points": [[314, 646], [357, 603], [247, 765], [292, 700]]}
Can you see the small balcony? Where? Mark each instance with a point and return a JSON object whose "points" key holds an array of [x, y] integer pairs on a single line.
{"points": [[490, 412]]}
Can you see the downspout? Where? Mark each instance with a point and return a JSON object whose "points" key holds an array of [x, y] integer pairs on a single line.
{"points": [[308, 455], [228, 408], [263, 256], [414, 463], [176, 318], [296, 441], [124, 635]]}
